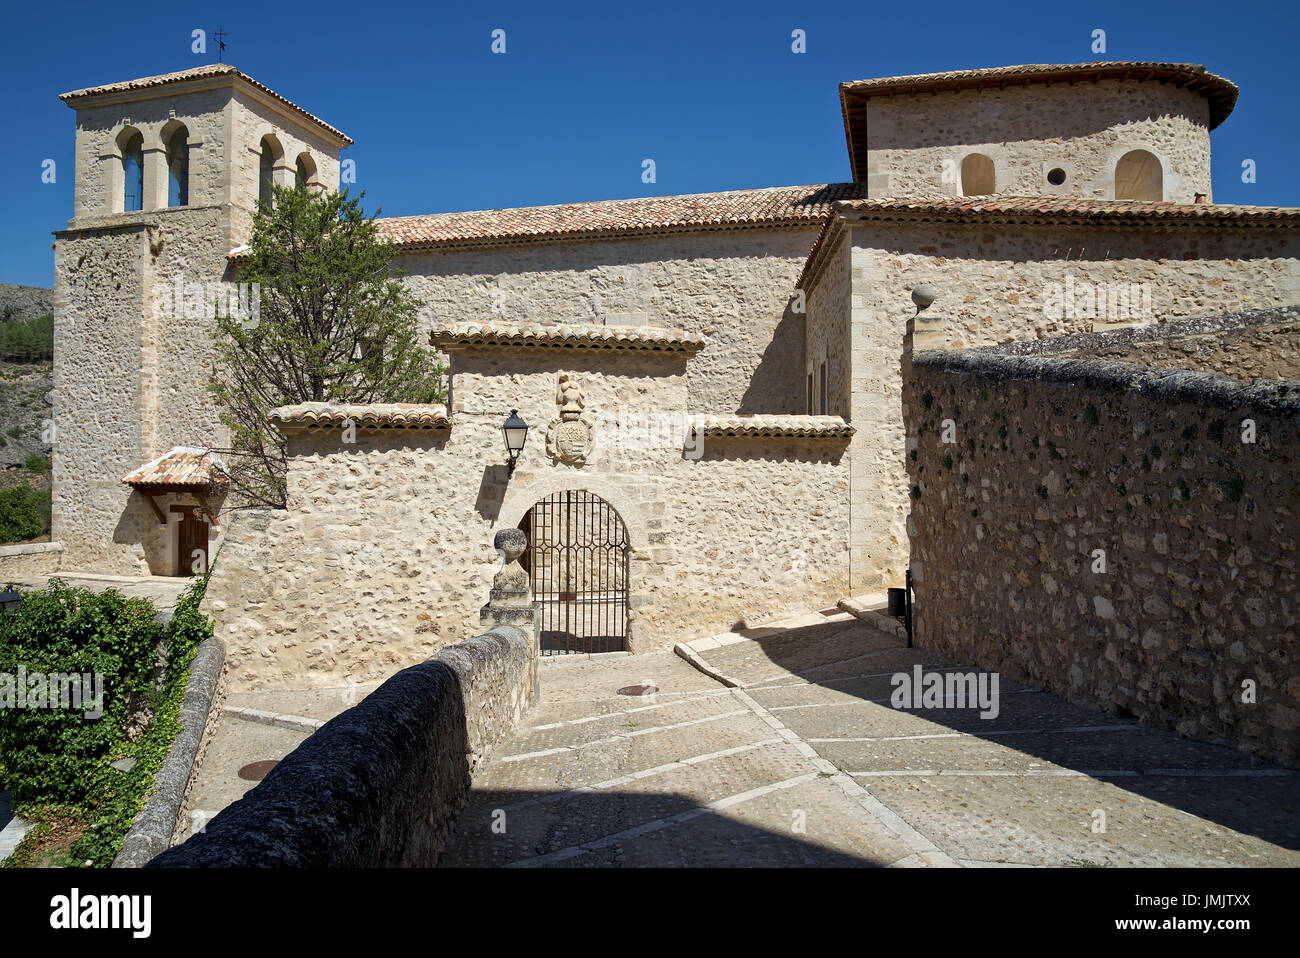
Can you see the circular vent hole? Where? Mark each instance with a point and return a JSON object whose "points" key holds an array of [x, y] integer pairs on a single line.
{"points": [[1056, 176]]}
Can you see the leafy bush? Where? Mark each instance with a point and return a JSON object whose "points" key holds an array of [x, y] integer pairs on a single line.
{"points": [[24, 513], [111, 821], [36, 463], [58, 754]]}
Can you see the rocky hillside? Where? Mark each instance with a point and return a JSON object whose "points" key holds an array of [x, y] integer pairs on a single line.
{"points": [[26, 415]]}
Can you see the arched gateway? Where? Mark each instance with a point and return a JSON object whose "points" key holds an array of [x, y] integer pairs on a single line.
{"points": [[577, 562]]}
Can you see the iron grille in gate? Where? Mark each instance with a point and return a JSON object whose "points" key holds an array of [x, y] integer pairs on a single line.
{"points": [[577, 562]]}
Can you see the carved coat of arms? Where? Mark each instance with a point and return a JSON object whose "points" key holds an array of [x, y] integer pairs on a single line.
{"points": [[571, 435]]}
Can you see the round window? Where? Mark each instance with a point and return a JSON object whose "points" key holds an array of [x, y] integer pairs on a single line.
{"points": [[1056, 176]]}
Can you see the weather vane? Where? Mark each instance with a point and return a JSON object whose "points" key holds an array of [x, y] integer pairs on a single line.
{"points": [[220, 36]]}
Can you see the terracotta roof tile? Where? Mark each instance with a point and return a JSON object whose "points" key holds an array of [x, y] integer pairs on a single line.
{"points": [[737, 209], [197, 73], [397, 415], [460, 335], [180, 467], [773, 427]]}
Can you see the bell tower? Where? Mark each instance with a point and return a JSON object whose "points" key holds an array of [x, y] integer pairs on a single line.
{"points": [[167, 177]]}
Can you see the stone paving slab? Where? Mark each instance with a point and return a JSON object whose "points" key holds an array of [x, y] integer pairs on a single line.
{"points": [[694, 716], [1049, 821], [810, 647], [1131, 749], [603, 759], [234, 744], [320, 704], [749, 835], [724, 792], [539, 821], [1009, 790], [876, 720]]}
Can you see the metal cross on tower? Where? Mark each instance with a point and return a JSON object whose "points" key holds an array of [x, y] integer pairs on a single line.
{"points": [[220, 36]]}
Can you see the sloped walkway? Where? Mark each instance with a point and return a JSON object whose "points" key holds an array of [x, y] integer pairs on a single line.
{"points": [[803, 761]]}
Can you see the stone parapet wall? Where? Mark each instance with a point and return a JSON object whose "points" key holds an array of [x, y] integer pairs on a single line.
{"points": [[25, 302], [29, 559], [379, 785], [1259, 344], [1058, 464]]}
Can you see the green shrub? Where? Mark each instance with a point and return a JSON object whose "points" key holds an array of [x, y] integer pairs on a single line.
{"points": [[111, 821], [36, 463], [13, 432], [24, 513], [58, 754]]}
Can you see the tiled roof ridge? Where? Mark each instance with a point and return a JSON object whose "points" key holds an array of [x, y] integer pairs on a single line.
{"points": [[363, 415], [494, 333], [740, 209], [179, 466], [772, 426], [196, 73]]}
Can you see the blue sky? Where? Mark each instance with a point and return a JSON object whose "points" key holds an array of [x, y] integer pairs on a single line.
{"points": [[584, 93]]}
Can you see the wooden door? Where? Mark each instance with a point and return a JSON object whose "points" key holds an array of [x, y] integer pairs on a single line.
{"points": [[192, 555]]}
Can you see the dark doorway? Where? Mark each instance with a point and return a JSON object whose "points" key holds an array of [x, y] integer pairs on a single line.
{"points": [[192, 551], [577, 562]]}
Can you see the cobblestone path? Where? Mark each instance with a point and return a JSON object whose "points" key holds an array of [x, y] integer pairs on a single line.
{"points": [[805, 762]]}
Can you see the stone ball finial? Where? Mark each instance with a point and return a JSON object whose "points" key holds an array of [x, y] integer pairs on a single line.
{"points": [[923, 294], [510, 542]]}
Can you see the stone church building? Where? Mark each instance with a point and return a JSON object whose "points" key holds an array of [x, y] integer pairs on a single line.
{"points": [[711, 381]]}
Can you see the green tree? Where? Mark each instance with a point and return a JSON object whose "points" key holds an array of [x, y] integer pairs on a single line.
{"points": [[332, 324]]}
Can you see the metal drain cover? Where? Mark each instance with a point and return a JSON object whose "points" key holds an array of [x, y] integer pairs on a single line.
{"points": [[638, 690], [256, 771]]}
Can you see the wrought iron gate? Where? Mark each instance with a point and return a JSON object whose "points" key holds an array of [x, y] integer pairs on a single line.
{"points": [[577, 562]]}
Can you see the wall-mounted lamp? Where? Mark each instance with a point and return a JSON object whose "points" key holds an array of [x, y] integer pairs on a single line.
{"points": [[515, 431], [10, 599]]}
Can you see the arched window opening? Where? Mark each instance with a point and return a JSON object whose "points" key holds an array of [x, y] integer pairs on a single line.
{"points": [[178, 168], [132, 144], [271, 154], [1138, 176], [305, 171], [977, 176]]}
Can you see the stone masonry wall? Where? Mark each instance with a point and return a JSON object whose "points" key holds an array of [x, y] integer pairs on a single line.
{"points": [[25, 302], [1059, 465], [1081, 128], [30, 559], [996, 285], [98, 292], [734, 287], [115, 309], [379, 785], [383, 554]]}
